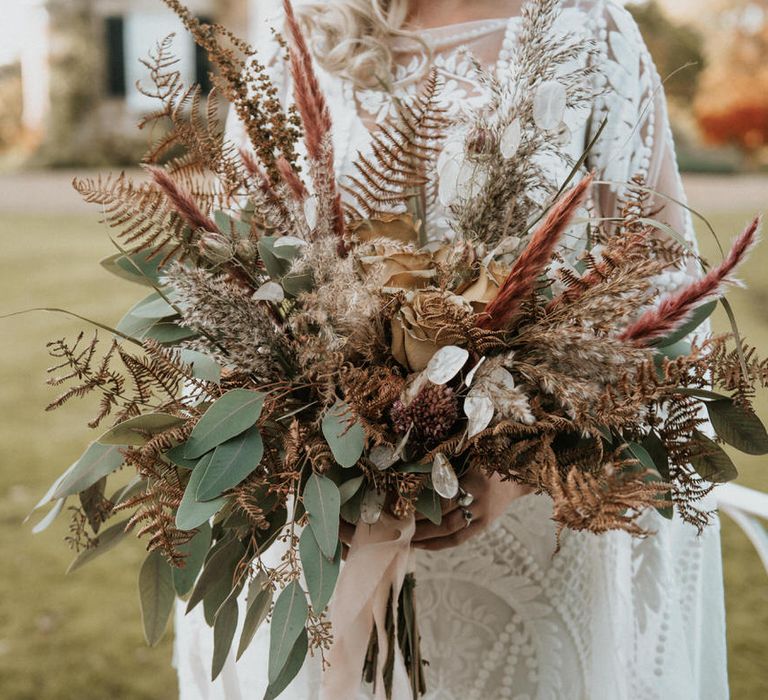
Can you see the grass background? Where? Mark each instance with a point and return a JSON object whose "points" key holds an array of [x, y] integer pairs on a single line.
{"points": [[79, 637]]}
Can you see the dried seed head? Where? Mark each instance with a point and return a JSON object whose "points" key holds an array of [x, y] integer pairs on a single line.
{"points": [[430, 416]]}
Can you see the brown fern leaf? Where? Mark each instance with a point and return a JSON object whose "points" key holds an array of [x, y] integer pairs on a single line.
{"points": [[81, 366], [402, 152], [141, 214], [243, 81]]}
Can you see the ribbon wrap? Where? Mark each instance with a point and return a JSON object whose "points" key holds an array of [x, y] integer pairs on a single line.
{"points": [[377, 563]]}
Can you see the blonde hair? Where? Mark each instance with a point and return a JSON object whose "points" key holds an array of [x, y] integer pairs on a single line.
{"points": [[353, 38]]}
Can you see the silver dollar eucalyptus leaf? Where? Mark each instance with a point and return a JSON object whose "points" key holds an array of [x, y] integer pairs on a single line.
{"points": [[383, 456], [479, 410], [471, 179], [446, 363], [471, 376], [371, 506], [549, 104], [310, 211], [271, 291], [510, 139], [444, 479]]}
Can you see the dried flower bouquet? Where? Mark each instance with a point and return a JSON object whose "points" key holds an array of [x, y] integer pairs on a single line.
{"points": [[304, 357]]}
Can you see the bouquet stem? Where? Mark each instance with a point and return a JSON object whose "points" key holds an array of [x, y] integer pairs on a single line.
{"points": [[408, 640]]}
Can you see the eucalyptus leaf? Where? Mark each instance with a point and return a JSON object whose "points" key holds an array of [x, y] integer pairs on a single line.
{"points": [[230, 463], [156, 595], [320, 573], [107, 539], [176, 456], [428, 504], [288, 619], [217, 595], [345, 438], [277, 266], [703, 394], [349, 488], [642, 455], [134, 487], [681, 348], [97, 462], [291, 668], [226, 418], [194, 551], [50, 516], [298, 283], [129, 432], [322, 502], [647, 461], [738, 426], [258, 602], [203, 366], [655, 448], [136, 267], [711, 461], [191, 512], [167, 333], [350, 510], [219, 566], [224, 627], [153, 307], [701, 314], [142, 328]]}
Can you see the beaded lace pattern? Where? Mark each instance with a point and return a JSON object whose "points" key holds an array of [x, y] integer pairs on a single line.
{"points": [[609, 617]]}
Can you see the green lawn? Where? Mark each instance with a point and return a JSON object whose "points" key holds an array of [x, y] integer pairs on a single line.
{"points": [[79, 638]]}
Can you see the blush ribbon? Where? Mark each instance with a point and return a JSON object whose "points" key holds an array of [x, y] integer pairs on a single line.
{"points": [[377, 563]]}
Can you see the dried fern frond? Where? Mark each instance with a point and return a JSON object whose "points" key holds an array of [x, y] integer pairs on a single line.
{"points": [[141, 213], [402, 151], [155, 507], [243, 81]]}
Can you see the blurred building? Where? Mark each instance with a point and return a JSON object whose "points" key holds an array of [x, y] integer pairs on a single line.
{"points": [[80, 64]]}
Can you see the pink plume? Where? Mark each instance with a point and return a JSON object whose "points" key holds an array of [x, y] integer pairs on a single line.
{"points": [[522, 279], [315, 116], [183, 202], [676, 309]]}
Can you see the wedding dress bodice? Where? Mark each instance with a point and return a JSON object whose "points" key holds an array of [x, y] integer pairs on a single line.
{"points": [[608, 617]]}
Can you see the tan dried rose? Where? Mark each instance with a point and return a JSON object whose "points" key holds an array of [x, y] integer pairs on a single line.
{"points": [[393, 257], [485, 288], [396, 227], [422, 326]]}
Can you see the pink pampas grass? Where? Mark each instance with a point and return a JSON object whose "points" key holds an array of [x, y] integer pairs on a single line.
{"points": [[525, 273], [676, 309]]}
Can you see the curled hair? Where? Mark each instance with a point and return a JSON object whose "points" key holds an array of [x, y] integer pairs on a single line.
{"points": [[353, 38]]}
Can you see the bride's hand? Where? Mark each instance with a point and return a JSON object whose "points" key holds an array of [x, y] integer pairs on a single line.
{"points": [[491, 495]]}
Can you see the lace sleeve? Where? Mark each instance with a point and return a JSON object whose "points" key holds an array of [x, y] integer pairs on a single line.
{"points": [[637, 140]]}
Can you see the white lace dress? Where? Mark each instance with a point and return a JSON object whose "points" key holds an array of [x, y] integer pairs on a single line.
{"points": [[609, 617]]}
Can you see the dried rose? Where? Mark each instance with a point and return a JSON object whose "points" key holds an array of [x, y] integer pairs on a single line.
{"points": [[396, 227], [394, 260], [419, 328], [485, 288]]}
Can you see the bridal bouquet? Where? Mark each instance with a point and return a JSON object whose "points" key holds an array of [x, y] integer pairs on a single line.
{"points": [[303, 358]]}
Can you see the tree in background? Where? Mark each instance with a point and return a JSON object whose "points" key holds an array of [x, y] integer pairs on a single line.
{"points": [[677, 49], [732, 101]]}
